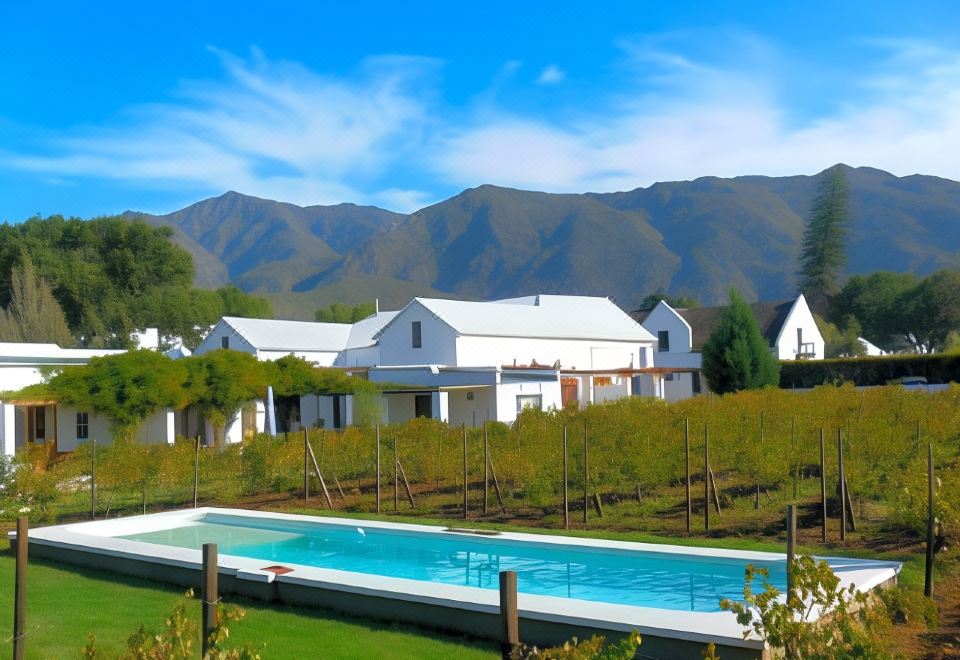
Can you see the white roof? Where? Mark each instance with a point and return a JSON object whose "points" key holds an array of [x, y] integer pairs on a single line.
{"points": [[273, 335], [363, 333], [543, 316], [25, 352]]}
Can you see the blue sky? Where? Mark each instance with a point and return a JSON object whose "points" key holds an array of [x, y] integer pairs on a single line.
{"points": [[111, 106]]}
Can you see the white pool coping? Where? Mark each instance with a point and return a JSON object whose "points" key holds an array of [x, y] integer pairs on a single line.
{"points": [[701, 627]]}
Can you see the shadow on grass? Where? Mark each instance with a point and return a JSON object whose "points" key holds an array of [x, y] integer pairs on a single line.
{"points": [[251, 604]]}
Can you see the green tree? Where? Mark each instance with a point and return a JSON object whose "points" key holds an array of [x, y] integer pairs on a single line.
{"points": [[33, 315], [218, 383], [823, 253], [341, 313], [736, 357], [839, 342], [237, 302], [881, 302], [677, 302], [934, 310], [127, 388]]}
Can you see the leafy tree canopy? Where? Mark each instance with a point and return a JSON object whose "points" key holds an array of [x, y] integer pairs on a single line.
{"points": [[841, 341], [340, 313], [677, 302], [112, 276], [127, 388], [736, 357], [33, 314]]}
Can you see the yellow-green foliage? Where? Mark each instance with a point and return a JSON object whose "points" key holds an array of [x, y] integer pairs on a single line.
{"points": [[633, 443]]}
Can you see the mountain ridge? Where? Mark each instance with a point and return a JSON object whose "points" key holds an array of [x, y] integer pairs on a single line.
{"points": [[696, 237]]}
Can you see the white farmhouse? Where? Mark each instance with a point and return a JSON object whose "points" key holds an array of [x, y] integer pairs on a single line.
{"points": [[468, 362], [789, 328], [268, 339], [23, 364]]}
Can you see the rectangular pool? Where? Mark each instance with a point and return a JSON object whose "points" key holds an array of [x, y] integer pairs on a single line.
{"points": [[448, 578]]}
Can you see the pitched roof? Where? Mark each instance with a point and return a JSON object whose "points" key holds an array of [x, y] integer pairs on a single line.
{"points": [[543, 316], [363, 333], [703, 321], [273, 335]]}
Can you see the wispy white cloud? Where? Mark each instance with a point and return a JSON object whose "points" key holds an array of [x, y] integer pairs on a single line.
{"points": [[380, 134], [271, 129], [551, 75], [703, 119]]}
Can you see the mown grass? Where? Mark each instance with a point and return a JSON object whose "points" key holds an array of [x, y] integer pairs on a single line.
{"points": [[65, 603]]}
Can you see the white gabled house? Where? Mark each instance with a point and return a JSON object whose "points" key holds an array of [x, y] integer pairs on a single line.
{"points": [[43, 422], [469, 362], [789, 328], [268, 339]]}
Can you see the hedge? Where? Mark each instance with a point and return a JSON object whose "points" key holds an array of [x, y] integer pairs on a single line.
{"points": [[938, 368]]}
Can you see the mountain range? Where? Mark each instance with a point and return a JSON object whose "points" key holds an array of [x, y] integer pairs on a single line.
{"points": [[696, 238]]}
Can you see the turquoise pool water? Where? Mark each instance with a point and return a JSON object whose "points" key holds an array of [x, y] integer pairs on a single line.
{"points": [[646, 579]]}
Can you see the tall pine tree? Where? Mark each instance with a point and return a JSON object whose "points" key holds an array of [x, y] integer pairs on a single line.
{"points": [[824, 253]]}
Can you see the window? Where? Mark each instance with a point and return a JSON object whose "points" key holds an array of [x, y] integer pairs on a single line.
{"points": [[534, 401], [415, 327], [224, 342], [799, 340], [83, 426], [696, 382], [40, 415], [423, 405], [663, 338], [668, 376]]}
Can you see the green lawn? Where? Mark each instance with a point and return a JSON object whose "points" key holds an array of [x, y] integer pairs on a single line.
{"points": [[64, 604]]}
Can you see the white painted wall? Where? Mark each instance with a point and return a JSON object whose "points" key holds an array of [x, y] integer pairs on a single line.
{"points": [[18, 377], [618, 389], [799, 317], [438, 340], [367, 356], [582, 354], [472, 412], [507, 397], [212, 341], [8, 430], [664, 318], [98, 428], [159, 427]]}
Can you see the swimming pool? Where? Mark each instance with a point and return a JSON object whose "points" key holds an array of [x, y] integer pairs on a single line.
{"points": [[619, 576], [447, 578]]}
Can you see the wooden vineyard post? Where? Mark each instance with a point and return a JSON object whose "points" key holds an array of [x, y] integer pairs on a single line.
{"points": [[706, 478], [509, 617], [586, 474], [566, 494], [464, 428], [196, 474], [323, 484], [93, 480], [378, 468], [20, 589], [931, 525], [439, 458], [686, 447], [796, 461], [486, 468], [406, 484], [209, 595], [306, 466], [823, 489], [843, 487], [756, 500], [496, 488], [791, 549], [396, 476]]}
